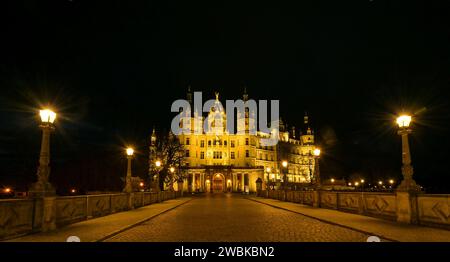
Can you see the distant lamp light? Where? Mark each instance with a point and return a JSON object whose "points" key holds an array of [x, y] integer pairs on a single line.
{"points": [[73, 191], [141, 184], [158, 163], [207, 181], [284, 163], [356, 183], [391, 181], [7, 190], [349, 184], [380, 183], [268, 170], [273, 176], [316, 152], [332, 180], [229, 180], [47, 116], [362, 181], [172, 169], [404, 121], [130, 151]]}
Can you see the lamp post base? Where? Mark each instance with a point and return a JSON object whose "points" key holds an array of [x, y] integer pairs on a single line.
{"points": [[127, 189], [41, 189], [409, 185]]}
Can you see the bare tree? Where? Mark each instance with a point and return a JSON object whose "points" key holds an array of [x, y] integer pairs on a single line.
{"points": [[170, 152]]}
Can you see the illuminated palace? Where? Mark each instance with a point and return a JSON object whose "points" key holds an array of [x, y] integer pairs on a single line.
{"points": [[217, 161]]}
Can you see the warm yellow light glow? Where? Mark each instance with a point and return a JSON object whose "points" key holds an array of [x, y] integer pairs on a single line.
{"points": [[47, 115], [362, 181], [73, 190], [356, 184], [7, 190], [172, 169], [229, 180], [130, 151], [284, 163], [380, 182], [268, 170], [391, 181], [158, 163], [349, 184], [404, 120], [207, 181], [316, 152], [141, 184], [332, 180], [217, 175], [273, 176]]}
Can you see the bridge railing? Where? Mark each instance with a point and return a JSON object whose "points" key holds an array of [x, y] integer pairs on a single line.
{"points": [[424, 209], [24, 216]]}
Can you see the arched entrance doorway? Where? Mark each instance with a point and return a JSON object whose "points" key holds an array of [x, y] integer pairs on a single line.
{"points": [[218, 183]]}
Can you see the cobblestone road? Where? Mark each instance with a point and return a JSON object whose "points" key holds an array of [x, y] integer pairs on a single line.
{"points": [[228, 217]]}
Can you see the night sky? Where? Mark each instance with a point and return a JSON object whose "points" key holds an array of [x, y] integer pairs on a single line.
{"points": [[111, 69]]}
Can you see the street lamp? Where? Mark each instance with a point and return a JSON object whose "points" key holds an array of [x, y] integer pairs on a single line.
{"points": [[316, 154], [128, 187], [332, 180], [43, 187], [408, 183]]}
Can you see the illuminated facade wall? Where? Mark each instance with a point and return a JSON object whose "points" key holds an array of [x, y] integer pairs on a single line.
{"points": [[236, 161]]}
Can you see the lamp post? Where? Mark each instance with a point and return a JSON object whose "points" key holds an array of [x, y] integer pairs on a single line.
{"points": [[128, 187], [285, 170], [172, 171], [43, 187], [317, 181], [268, 170], [408, 183], [158, 166]]}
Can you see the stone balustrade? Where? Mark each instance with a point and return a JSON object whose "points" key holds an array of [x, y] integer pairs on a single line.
{"points": [[24, 216], [423, 209]]}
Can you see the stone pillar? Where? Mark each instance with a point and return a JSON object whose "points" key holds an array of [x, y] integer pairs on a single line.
{"points": [[49, 214], [407, 209], [130, 197], [316, 202]]}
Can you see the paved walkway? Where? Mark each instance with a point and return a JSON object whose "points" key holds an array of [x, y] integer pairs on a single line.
{"points": [[234, 218], [373, 226], [100, 228]]}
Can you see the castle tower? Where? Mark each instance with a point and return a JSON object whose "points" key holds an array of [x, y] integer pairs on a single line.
{"points": [[306, 136], [189, 95], [152, 151]]}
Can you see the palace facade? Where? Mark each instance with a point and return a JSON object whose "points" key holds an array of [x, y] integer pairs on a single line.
{"points": [[217, 161]]}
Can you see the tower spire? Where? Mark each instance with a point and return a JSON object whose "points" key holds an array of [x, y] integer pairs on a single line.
{"points": [[189, 95], [245, 96]]}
